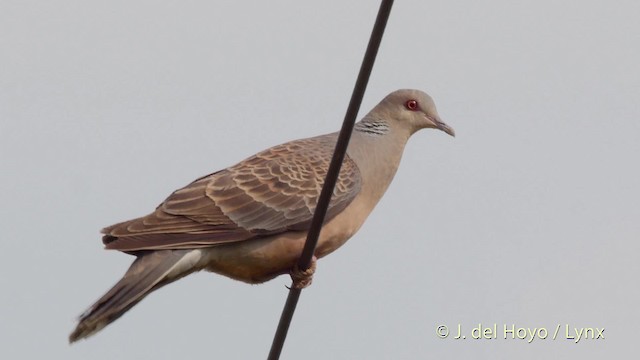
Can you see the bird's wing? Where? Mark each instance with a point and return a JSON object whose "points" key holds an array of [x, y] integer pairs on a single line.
{"points": [[271, 192]]}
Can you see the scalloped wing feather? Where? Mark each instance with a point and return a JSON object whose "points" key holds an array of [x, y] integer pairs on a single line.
{"points": [[271, 192]]}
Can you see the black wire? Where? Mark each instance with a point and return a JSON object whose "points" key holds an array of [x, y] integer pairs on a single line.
{"points": [[332, 174]]}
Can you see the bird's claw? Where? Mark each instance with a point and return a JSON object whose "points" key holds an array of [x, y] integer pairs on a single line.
{"points": [[303, 278]]}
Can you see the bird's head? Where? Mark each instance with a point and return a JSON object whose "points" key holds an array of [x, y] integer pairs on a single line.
{"points": [[412, 110]]}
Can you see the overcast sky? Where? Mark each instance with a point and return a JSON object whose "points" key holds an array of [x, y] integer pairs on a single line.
{"points": [[530, 217]]}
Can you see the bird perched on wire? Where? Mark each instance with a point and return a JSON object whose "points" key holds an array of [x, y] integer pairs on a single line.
{"points": [[249, 221]]}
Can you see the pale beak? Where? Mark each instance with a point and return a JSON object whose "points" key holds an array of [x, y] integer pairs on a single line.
{"points": [[440, 125]]}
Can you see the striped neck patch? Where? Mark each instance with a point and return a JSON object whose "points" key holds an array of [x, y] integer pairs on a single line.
{"points": [[372, 126]]}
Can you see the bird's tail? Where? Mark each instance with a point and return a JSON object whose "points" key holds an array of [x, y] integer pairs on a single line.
{"points": [[150, 271]]}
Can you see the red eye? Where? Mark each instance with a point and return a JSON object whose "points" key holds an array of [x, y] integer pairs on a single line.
{"points": [[412, 105]]}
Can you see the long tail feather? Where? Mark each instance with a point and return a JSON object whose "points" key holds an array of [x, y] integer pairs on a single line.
{"points": [[149, 272]]}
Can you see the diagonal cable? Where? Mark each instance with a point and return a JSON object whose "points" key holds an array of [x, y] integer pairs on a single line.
{"points": [[332, 174]]}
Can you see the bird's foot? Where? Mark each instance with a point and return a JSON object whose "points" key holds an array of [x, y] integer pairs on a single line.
{"points": [[303, 278]]}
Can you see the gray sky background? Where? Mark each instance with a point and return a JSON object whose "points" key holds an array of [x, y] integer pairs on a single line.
{"points": [[530, 216]]}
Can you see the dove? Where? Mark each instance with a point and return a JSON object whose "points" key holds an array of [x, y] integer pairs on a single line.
{"points": [[249, 221]]}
